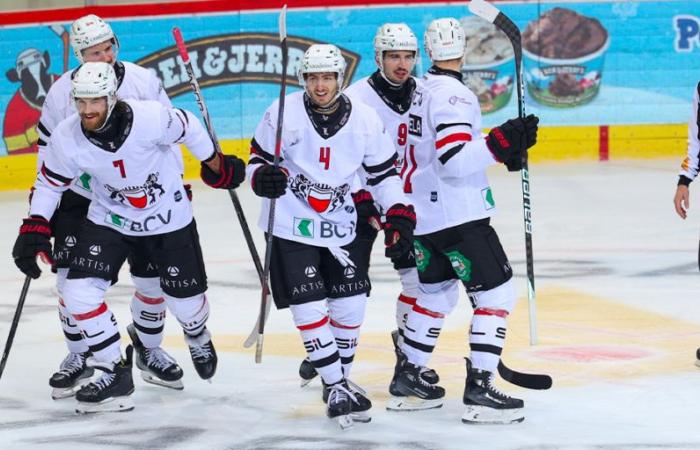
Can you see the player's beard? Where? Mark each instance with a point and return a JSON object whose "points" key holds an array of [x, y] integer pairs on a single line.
{"points": [[93, 121]]}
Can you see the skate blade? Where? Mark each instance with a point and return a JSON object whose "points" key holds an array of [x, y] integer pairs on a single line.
{"points": [[360, 417], [345, 422], [114, 404], [485, 415], [61, 393], [409, 403], [152, 379]]}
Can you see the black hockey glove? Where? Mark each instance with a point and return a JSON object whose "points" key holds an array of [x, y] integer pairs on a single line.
{"points": [[398, 230], [34, 239], [511, 140], [367, 212], [269, 182], [231, 172]]}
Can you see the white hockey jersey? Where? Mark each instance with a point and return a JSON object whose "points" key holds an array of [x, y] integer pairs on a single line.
{"points": [[137, 187], [317, 208], [691, 164], [446, 156], [136, 83]]}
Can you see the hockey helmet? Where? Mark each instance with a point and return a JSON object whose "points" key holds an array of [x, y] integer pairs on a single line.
{"points": [[95, 80], [88, 31], [320, 58], [444, 39], [393, 36]]}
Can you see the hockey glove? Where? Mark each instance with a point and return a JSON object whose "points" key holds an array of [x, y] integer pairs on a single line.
{"points": [[231, 172], [367, 212], [398, 230], [269, 182], [511, 140], [34, 239]]}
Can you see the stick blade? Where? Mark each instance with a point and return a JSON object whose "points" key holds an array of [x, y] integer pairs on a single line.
{"points": [[283, 23], [484, 10]]}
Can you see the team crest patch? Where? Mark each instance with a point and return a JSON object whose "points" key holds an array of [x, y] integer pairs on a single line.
{"points": [[422, 256], [321, 197], [139, 197], [461, 265]]}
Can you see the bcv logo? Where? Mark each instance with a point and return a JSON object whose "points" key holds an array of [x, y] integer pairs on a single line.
{"points": [[687, 32]]}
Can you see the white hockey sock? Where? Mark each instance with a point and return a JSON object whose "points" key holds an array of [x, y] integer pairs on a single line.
{"points": [[313, 323], [346, 316], [71, 332], [148, 314], [84, 301], [404, 305], [486, 337], [420, 336], [191, 312]]}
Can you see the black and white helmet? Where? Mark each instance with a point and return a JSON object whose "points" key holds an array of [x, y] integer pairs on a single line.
{"points": [[393, 36], [95, 80], [320, 58], [444, 39], [88, 31]]}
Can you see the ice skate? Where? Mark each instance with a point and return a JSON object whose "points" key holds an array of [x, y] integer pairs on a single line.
{"points": [[360, 404], [157, 367], [307, 372], [339, 404], [111, 392], [415, 393], [428, 374], [72, 375], [485, 403], [203, 354]]}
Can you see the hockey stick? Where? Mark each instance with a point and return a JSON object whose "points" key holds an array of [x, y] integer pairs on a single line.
{"points": [[265, 297], [489, 12], [182, 49], [527, 380], [15, 322], [65, 38]]}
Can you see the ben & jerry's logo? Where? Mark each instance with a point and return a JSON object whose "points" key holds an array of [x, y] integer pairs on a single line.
{"points": [[234, 58]]}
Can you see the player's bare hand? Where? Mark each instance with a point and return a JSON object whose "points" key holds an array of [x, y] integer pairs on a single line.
{"points": [[682, 201]]}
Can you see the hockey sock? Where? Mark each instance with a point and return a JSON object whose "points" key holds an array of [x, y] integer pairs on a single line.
{"points": [[420, 336], [313, 323], [71, 332], [84, 301], [407, 298], [346, 316], [191, 312], [487, 333], [148, 310]]}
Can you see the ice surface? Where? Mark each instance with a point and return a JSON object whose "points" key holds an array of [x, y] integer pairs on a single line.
{"points": [[619, 321]]}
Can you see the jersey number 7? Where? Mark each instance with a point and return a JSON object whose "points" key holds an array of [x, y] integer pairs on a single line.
{"points": [[119, 164]]}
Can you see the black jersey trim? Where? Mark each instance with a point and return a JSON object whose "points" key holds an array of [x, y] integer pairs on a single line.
{"points": [[257, 150], [43, 129], [257, 160], [697, 123], [442, 126], [381, 167], [450, 153], [435, 70], [184, 125], [41, 142], [56, 176], [378, 179], [187, 120]]}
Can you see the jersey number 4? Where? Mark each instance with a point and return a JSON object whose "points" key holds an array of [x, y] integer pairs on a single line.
{"points": [[119, 164], [324, 157]]}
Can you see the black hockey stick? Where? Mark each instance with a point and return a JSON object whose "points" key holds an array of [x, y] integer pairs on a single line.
{"points": [[526, 380], [182, 49], [489, 12], [265, 297], [15, 322]]}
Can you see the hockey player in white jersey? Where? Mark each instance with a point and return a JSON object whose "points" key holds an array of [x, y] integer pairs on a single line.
{"points": [[139, 204], [690, 167], [444, 177], [318, 270], [93, 40], [389, 91]]}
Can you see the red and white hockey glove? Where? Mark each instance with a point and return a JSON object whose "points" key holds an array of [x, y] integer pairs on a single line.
{"points": [[509, 142]]}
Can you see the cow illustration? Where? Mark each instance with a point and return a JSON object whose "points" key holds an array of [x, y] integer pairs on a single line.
{"points": [[24, 109]]}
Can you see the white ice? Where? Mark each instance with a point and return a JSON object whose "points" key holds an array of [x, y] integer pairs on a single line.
{"points": [[618, 322]]}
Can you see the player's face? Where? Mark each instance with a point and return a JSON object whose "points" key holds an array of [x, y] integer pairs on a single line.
{"points": [[93, 112], [102, 52], [398, 65], [322, 87]]}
